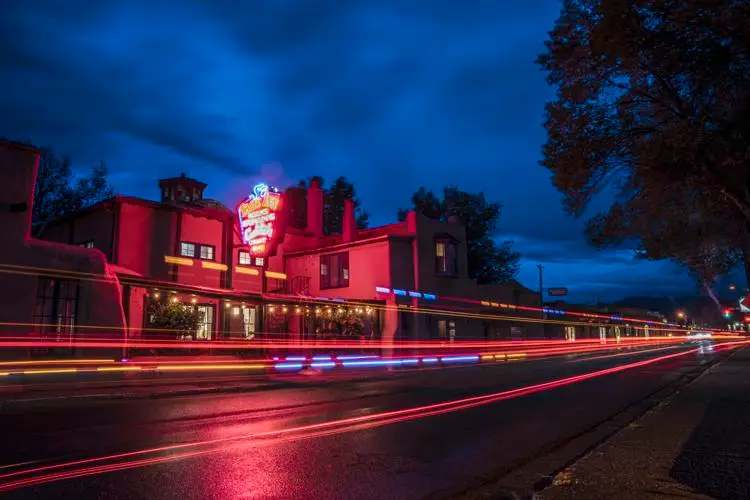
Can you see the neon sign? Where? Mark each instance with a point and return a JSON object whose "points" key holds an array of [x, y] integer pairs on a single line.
{"points": [[259, 219]]}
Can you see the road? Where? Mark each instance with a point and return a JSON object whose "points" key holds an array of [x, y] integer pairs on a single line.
{"points": [[280, 442]]}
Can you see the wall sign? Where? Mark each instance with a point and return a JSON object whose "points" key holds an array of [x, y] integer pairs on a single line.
{"points": [[260, 220]]}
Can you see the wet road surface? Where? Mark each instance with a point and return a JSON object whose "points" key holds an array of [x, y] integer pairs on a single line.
{"points": [[274, 442]]}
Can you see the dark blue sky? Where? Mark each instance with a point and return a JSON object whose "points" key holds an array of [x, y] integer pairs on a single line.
{"points": [[391, 94]]}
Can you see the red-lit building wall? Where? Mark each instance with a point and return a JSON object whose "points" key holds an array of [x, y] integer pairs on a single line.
{"points": [[368, 268], [201, 231], [144, 236], [401, 255], [30, 268]]}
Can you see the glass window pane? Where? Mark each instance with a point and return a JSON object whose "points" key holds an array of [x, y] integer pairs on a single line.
{"points": [[187, 249], [207, 252], [244, 258]]}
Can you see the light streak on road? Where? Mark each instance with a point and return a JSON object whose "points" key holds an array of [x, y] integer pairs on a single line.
{"points": [[128, 460], [293, 363]]}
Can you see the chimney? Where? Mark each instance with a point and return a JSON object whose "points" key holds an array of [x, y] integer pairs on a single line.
{"points": [[18, 168], [349, 222], [315, 208]]}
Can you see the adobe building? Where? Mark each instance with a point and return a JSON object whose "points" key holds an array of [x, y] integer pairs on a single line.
{"points": [[48, 290], [266, 270]]}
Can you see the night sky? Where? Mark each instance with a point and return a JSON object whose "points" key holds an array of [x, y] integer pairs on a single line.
{"points": [[391, 94]]}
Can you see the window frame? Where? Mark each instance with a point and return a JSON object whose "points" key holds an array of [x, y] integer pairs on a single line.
{"points": [[207, 247], [183, 246], [243, 262], [197, 250], [443, 263], [208, 323], [60, 318], [343, 271]]}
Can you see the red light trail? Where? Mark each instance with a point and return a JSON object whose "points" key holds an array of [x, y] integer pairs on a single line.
{"points": [[123, 461]]}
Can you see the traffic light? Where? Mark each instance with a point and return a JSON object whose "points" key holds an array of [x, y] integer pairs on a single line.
{"points": [[727, 313]]}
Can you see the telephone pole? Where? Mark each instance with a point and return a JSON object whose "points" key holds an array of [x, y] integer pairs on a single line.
{"points": [[541, 290]]}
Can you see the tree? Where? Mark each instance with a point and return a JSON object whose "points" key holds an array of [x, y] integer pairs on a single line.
{"points": [[652, 100], [174, 317], [333, 205], [488, 261], [58, 192]]}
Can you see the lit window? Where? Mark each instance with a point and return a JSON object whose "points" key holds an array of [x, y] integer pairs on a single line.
{"points": [[446, 261], [207, 252], [259, 261], [334, 270], [87, 244], [205, 322], [245, 258], [187, 249]]}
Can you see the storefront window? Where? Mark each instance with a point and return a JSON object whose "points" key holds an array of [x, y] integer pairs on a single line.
{"points": [[249, 315], [206, 322], [56, 306]]}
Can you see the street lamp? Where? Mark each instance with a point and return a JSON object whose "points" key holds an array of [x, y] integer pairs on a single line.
{"points": [[681, 314]]}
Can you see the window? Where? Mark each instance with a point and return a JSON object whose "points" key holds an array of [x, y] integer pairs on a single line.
{"points": [[87, 244], [187, 249], [446, 330], [248, 322], [570, 333], [56, 306], [207, 252], [446, 262], [260, 261], [206, 322], [244, 258], [204, 252], [334, 270]]}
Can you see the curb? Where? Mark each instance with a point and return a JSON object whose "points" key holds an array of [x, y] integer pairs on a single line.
{"points": [[586, 441]]}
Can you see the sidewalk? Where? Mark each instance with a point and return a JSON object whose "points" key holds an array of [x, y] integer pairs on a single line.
{"points": [[695, 445]]}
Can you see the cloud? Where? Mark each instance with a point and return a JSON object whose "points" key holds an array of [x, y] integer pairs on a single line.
{"points": [[391, 94]]}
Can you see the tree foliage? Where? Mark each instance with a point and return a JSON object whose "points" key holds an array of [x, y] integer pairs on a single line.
{"points": [[174, 318], [59, 192], [652, 102], [488, 260], [333, 205]]}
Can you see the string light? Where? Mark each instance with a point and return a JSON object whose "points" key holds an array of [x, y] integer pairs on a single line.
{"points": [[227, 305], [297, 310], [284, 309], [156, 295], [175, 299], [271, 309], [193, 300]]}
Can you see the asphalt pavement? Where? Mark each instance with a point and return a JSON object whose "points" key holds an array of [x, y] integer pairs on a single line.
{"points": [[323, 436], [694, 445]]}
